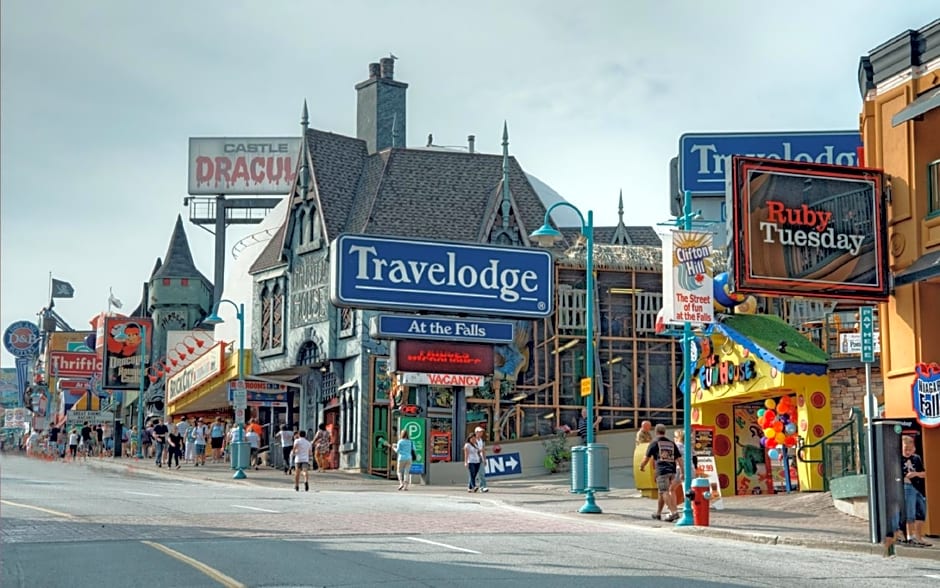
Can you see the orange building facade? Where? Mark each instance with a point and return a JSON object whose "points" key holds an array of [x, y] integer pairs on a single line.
{"points": [[900, 124]]}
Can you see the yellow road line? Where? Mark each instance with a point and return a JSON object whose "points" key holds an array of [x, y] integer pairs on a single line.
{"points": [[39, 508], [213, 573]]}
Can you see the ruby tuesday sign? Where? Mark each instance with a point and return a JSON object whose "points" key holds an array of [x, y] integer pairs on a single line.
{"points": [[386, 272]]}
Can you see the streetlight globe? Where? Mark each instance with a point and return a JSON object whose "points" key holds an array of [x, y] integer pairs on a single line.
{"points": [[546, 236], [213, 319]]}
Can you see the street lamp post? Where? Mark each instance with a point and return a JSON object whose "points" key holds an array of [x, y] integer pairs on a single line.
{"points": [[140, 392], [685, 222], [215, 319], [547, 236]]}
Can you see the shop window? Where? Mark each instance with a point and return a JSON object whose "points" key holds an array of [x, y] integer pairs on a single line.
{"points": [[933, 189]]}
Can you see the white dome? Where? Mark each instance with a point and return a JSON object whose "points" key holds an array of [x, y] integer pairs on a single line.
{"points": [[238, 283]]}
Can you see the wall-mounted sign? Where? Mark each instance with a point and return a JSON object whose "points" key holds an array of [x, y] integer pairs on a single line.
{"points": [[389, 326], [390, 273], [705, 158], [440, 357], [255, 386], [925, 392], [21, 339], [418, 378], [123, 359], [244, 165], [808, 229], [74, 365], [201, 370], [725, 373]]}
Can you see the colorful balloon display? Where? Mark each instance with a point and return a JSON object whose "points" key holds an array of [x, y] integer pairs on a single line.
{"points": [[777, 422]]}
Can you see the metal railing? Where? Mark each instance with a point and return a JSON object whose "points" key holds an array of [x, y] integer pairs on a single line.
{"points": [[840, 457]]}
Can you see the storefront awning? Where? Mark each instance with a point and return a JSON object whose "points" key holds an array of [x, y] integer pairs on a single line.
{"points": [[925, 268], [921, 105]]}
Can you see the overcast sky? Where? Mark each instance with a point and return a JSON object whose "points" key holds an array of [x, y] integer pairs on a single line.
{"points": [[99, 99]]}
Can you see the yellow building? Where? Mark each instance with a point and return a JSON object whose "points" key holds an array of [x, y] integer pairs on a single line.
{"points": [[746, 366], [900, 123]]}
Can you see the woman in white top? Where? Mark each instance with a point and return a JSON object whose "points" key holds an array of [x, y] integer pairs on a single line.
{"points": [[471, 459], [287, 443]]}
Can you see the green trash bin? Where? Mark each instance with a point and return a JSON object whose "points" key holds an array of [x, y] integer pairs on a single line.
{"points": [[578, 469], [597, 467], [241, 455]]}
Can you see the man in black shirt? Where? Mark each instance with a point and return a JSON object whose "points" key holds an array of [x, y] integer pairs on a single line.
{"points": [[915, 490], [87, 443], [160, 432], [666, 455]]}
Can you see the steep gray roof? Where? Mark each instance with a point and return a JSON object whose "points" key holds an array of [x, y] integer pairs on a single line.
{"points": [[178, 261]]}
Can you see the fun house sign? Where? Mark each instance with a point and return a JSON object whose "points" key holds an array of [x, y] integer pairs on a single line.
{"points": [[387, 272], [808, 229]]}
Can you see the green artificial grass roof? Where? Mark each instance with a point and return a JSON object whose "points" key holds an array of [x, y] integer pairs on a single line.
{"points": [[767, 332]]}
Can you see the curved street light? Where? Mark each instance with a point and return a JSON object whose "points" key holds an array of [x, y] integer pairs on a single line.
{"points": [[547, 236]]}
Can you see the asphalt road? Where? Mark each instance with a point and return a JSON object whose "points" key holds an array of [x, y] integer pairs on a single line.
{"points": [[66, 525]]}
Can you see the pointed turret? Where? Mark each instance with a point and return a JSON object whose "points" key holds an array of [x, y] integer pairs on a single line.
{"points": [[178, 261], [303, 176], [506, 204], [621, 235]]}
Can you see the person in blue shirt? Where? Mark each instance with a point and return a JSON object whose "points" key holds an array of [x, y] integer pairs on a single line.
{"points": [[404, 449]]}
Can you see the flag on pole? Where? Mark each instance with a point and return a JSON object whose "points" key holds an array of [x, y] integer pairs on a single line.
{"points": [[62, 289], [113, 300]]}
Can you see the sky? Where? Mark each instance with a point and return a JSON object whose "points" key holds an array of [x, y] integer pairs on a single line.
{"points": [[98, 99]]}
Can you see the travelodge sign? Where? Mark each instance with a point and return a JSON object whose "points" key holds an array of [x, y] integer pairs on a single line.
{"points": [[392, 273]]}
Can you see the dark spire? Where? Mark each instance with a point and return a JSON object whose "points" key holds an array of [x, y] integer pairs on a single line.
{"points": [[506, 206], [303, 178], [178, 261], [620, 207], [621, 234]]}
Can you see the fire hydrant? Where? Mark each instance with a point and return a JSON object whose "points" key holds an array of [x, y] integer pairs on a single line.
{"points": [[701, 501]]}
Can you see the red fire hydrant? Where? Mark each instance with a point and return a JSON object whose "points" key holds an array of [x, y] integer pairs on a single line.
{"points": [[701, 501]]}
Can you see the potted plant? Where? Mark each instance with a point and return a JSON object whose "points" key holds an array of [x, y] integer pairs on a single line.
{"points": [[557, 454]]}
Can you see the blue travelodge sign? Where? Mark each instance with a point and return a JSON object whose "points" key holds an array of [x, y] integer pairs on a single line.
{"points": [[393, 273], [705, 158]]}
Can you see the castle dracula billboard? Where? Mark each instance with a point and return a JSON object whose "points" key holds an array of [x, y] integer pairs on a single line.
{"points": [[808, 229]]}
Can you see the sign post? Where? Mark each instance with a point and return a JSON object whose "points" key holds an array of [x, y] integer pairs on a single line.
{"points": [[867, 321]]}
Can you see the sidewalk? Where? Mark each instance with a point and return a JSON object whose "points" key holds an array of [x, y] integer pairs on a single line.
{"points": [[799, 519]]}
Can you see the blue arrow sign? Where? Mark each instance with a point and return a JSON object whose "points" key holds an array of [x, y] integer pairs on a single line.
{"points": [[504, 464]]}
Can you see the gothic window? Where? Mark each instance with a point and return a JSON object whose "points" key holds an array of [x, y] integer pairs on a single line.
{"points": [[300, 225], [265, 319], [347, 322], [277, 316], [313, 229], [272, 318], [308, 354]]}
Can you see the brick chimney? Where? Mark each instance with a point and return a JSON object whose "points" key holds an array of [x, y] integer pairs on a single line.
{"points": [[380, 107]]}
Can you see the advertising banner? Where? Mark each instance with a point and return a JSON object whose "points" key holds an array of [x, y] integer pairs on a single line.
{"points": [[806, 229], [122, 351], [69, 364], [242, 165], [690, 275], [447, 358]]}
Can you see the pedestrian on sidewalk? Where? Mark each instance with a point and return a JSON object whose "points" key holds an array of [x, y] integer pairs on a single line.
{"points": [[254, 445], [471, 459], [182, 428], [645, 433], [286, 439], [665, 454], [175, 449], [405, 455], [481, 447], [301, 454], [146, 440], [217, 439], [160, 431], [198, 435], [915, 501], [73, 443], [322, 445]]}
